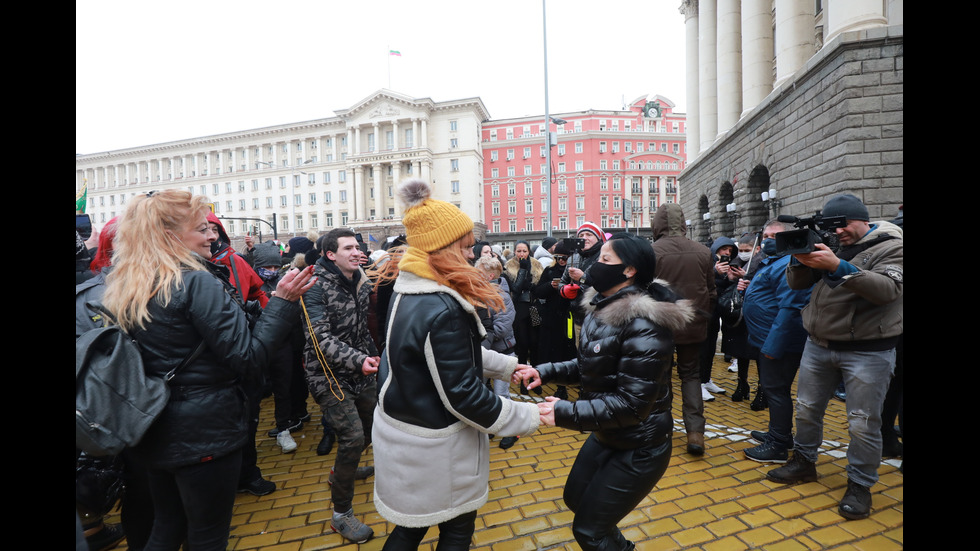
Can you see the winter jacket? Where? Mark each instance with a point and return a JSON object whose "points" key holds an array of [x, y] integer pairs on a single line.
{"points": [[431, 451], [499, 325], [556, 341], [623, 368], [860, 305], [338, 311], [243, 276], [522, 279], [771, 310], [687, 266], [206, 416]]}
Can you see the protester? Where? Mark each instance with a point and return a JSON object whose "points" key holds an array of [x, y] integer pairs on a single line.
{"points": [[854, 321], [165, 294], [556, 340], [341, 360], [624, 369], [688, 267], [432, 394], [523, 273]]}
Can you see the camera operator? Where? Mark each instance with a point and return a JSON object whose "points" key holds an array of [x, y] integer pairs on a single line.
{"points": [[574, 282], [854, 320]]}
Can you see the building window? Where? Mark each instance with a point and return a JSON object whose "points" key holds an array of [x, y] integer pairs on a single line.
{"points": [[511, 207], [453, 143], [453, 126], [527, 170], [561, 149], [513, 225], [527, 152], [493, 155], [495, 208], [494, 173], [602, 147], [529, 224], [343, 196], [328, 219], [326, 197], [528, 206], [455, 186], [341, 175], [578, 147], [495, 191], [454, 165], [313, 198]]}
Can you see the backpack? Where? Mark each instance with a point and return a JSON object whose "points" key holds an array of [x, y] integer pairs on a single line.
{"points": [[115, 401]]}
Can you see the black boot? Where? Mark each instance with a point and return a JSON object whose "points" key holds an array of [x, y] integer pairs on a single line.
{"points": [[760, 403], [741, 391], [797, 469], [856, 503], [326, 443]]}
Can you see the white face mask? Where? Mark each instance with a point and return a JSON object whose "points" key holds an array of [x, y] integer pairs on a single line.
{"points": [[744, 257]]}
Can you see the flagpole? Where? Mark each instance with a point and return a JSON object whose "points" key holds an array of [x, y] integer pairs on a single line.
{"points": [[389, 66]]}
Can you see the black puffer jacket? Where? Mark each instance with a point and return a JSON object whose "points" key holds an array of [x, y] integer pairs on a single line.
{"points": [[624, 369], [206, 416]]}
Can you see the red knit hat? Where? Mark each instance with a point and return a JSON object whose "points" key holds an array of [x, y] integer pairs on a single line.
{"points": [[593, 229]]}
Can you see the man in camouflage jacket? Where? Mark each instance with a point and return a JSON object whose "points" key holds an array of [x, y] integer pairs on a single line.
{"points": [[345, 388]]}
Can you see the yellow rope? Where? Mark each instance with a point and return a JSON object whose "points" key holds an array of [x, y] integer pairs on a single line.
{"points": [[319, 354]]}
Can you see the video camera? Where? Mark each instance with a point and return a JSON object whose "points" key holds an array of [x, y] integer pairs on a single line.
{"points": [[813, 230]]}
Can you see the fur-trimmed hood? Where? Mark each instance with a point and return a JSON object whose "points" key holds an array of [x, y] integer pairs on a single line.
{"points": [[633, 302]]}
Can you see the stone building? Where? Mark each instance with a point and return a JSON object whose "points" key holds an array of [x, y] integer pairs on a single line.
{"points": [[795, 99]]}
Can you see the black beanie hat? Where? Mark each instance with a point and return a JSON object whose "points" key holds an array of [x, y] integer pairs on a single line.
{"points": [[847, 206]]}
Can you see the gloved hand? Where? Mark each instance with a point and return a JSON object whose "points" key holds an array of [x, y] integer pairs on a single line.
{"points": [[569, 291], [524, 263]]}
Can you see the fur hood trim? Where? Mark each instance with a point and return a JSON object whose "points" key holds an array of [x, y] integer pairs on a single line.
{"points": [[514, 266], [638, 304]]}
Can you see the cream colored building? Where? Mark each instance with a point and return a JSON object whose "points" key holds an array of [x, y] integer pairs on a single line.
{"points": [[313, 175]]}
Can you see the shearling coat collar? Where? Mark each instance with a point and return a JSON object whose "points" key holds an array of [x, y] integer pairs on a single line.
{"points": [[514, 266], [632, 302]]}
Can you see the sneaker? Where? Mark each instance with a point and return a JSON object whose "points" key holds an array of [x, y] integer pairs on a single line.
{"points": [[508, 441], [713, 388], [705, 395], [734, 367], [258, 487], [759, 436], [767, 452], [286, 442], [856, 503], [108, 537], [360, 474], [291, 425], [348, 526], [797, 469]]}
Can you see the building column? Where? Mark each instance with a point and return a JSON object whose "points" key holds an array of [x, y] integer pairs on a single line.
{"points": [[729, 64], [396, 176], [379, 180], [424, 137], [795, 42], [394, 133], [853, 15], [359, 193], [690, 11], [756, 52], [708, 71]]}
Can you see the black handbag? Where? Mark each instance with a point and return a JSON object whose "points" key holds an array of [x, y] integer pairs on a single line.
{"points": [[730, 305]]}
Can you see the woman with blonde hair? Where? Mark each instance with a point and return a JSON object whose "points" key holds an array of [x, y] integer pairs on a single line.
{"points": [[431, 378], [184, 314]]}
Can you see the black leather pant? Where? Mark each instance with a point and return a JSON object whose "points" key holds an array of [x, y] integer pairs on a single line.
{"points": [[604, 485], [455, 534]]}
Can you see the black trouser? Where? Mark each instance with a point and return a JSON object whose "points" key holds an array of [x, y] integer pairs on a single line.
{"points": [[455, 534], [196, 500], [604, 485]]}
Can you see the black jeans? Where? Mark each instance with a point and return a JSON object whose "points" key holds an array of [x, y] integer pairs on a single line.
{"points": [[776, 378], [455, 534], [195, 501], [605, 484]]}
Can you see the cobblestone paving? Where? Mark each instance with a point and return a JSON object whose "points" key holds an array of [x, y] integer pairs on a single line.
{"points": [[720, 501]]}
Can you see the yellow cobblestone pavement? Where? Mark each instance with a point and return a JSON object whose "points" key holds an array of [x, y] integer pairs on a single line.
{"points": [[721, 501]]}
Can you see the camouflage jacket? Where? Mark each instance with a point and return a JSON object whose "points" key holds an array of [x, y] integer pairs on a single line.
{"points": [[338, 311]]}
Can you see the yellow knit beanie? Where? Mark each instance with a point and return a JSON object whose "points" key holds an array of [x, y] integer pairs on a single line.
{"points": [[430, 224]]}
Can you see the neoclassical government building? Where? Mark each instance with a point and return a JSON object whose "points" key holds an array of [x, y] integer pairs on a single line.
{"points": [[307, 176]]}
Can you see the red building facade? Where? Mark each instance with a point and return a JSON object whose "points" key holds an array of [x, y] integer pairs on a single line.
{"points": [[602, 160]]}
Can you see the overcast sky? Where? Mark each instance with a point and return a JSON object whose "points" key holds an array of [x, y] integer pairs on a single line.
{"points": [[148, 72]]}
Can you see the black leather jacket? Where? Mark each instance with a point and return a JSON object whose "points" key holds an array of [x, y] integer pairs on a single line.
{"points": [[624, 370], [206, 416]]}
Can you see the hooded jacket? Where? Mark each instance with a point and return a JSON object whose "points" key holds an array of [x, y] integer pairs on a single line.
{"points": [[243, 277], [624, 369], [863, 308], [687, 266], [431, 451]]}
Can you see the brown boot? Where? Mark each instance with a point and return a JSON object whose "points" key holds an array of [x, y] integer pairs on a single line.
{"points": [[695, 443]]}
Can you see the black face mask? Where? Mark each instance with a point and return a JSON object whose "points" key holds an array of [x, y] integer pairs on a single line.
{"points": [[603, 277], [216, 247]]}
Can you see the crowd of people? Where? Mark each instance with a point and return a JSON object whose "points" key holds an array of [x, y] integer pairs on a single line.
{"points": [[420, 344]]}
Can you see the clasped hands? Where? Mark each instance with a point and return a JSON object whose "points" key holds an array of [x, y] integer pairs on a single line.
{"points": [[532, 379]]}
